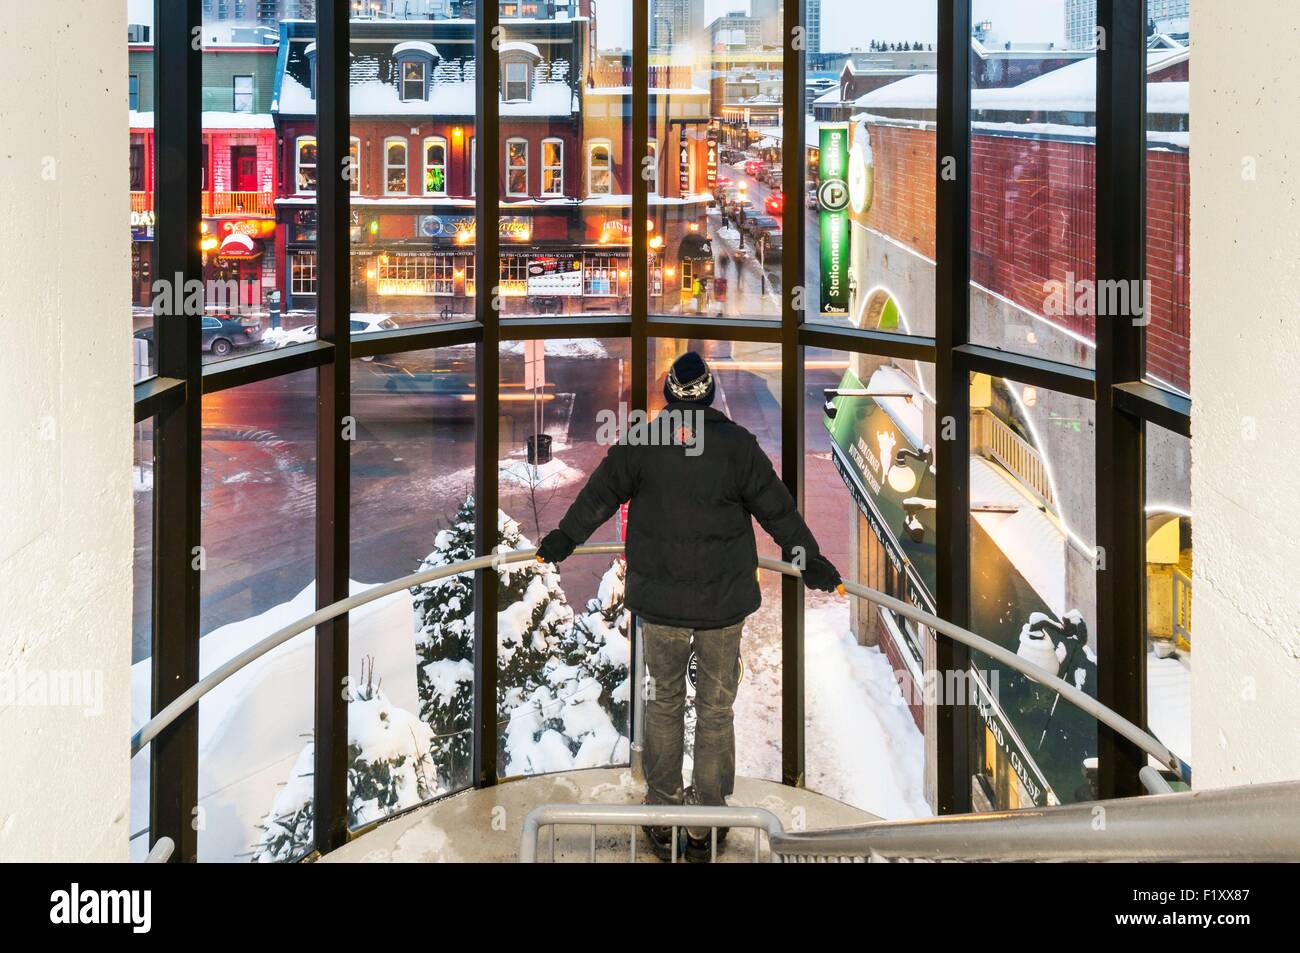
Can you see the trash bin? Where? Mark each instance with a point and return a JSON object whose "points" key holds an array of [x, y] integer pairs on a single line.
{"points": [[539, 449]]}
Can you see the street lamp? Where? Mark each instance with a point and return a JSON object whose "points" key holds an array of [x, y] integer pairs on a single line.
{"points": [[830, 393]]}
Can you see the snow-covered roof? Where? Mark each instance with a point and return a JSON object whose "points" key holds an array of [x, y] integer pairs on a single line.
{"points": [[211, 120], [416, 46], [913, 92], [518, 46], [1029, 538]]}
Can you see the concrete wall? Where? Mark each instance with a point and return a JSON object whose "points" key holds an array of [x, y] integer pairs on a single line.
{"points": [[1246, 411], [65, 481]]}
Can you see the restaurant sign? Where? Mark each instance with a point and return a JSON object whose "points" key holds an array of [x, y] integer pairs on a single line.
{"points": [[460, 228]]}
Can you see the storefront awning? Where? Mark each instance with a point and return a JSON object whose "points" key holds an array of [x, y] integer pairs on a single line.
{"points": [[238, 245], [695, 246]]}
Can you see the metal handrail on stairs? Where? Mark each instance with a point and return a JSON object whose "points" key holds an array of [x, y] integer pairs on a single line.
{"points": [[1107, 716]]}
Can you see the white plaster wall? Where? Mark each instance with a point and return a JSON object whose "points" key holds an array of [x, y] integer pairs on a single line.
{"points": [[65, 474], [1246, 392]]}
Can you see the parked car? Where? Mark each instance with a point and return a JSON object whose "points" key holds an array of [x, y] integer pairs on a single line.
{"points": [[222, 335], [775, 203], [769, 246], [754, 167], [812, 198], [770, 175], [757, 224]]}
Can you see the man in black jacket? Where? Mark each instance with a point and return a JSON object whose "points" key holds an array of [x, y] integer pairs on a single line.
{"points": [[694, 479]]}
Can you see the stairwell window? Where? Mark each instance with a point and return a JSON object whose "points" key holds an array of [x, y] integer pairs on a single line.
{"points": [[516, 167], [413, 84], [243, 89], [305, 167], [435, 166], [600, 172], [552, 167], [395, 166]]}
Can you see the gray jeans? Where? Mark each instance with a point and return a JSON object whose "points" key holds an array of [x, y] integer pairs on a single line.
{"points": [[667, 653]]}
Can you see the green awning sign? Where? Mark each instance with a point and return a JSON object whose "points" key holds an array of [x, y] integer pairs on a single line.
{"points": [[833, 202]]}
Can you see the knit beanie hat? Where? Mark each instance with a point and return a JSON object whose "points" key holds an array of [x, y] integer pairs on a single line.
{"points": [[690, 380]]}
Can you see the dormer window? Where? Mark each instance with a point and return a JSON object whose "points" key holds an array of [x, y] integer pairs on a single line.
{"points": [[518, 60], [412, 80], [415, 62], [516, 81]]}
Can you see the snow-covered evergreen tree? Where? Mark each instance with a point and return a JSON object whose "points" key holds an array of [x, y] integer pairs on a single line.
{"points": [[389, 769], [444, 645], [562, 681]]}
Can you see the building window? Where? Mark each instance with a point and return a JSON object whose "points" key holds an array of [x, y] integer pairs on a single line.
{"points": [[516, 81], [395, 167], [243, 94], [133, 92], [302, 275], [516, 167], [354, 170], [416, 275], [137, 167], [413, 85], [600, 173], [514, 274], [306, 164], [552, 167], [654, 167], [435, 166], [473, 168]]}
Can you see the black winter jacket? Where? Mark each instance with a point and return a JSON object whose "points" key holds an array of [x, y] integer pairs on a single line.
{"points": [[691, 556]]}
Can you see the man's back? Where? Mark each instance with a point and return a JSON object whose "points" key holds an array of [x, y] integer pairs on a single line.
{"points": [[694, 478]]}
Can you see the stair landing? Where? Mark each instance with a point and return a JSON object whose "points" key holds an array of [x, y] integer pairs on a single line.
{"points": [[483, 826]]}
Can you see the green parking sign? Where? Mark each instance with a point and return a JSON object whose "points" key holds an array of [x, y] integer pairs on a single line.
{"points": [[833, 205]]}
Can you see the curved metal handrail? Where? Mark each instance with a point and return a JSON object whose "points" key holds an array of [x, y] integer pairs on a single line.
{"points": [[190, 697]]}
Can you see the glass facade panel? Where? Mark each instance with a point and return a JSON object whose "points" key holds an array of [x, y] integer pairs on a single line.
{"points": [[412, 509], [748, 390], [1034, 184], [873, 516], [715, 195], [566, 179], [257, 574], [1169, 590], [1033, 591], [248, 280], [564, 651], [869, 181], [1169, 197]]}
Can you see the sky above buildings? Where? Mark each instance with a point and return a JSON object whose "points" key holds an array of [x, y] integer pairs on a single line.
{"points": [[845, 23]]}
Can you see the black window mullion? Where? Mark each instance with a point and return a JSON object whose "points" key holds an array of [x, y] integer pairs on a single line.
{"points": [[174, 754], [487, 252], [333, 399], [1121, 454], [792, 385], [952, 391]]}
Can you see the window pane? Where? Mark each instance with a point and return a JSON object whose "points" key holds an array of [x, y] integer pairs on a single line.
{"points": [[141, 630], [241, 270], [1169, 590], [715, 95], [865, 690], [565, 226], [563, 690], [1033, 184], [1168, 335], [869, 191], [412, 209], [748, 388], [141, 158], [1033, 591], [258, 530], [412, 508]]}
